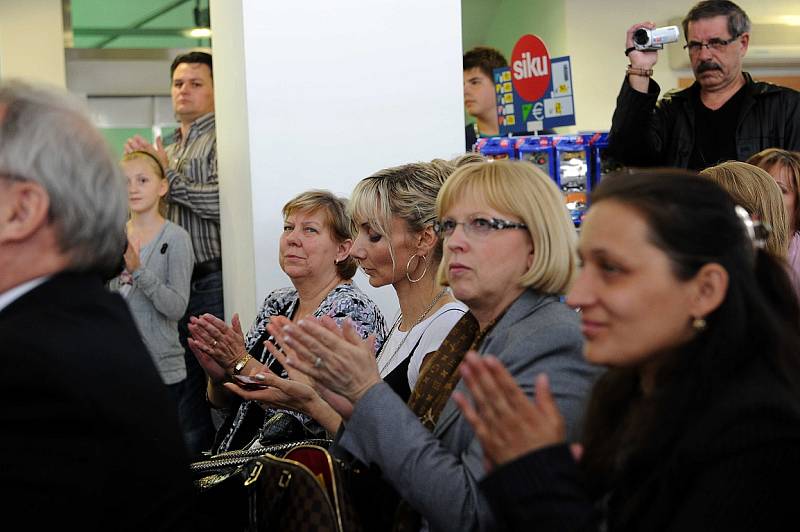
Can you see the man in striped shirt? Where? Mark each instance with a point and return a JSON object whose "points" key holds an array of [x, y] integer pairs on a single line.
{"points": [[190, 164]]}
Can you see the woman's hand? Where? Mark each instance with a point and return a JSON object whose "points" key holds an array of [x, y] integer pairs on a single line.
{"points": [[507, 424], [215, 372], [336, 359], [214, 338], [338, 403], [131, 256], [275, 329], [280, 393], [291, 395]]}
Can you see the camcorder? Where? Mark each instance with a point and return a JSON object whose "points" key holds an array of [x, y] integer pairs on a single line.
{"points": [[648, 40]]}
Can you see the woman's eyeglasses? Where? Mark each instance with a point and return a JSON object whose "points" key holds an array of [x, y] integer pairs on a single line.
{"points": [[477, 227]]}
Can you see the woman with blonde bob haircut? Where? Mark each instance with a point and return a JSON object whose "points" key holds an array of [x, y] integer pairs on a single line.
{"points": [[756, 191], [508, 255], [511, 187]]}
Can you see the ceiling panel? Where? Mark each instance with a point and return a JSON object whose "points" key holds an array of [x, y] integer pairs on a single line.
{"points": [[94, 15]]}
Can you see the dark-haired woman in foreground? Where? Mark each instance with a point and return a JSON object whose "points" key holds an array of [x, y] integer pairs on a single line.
{"points": [[696, 426]]}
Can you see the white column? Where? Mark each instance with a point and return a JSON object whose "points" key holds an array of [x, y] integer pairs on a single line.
{"points": [[321, 94], [32, 41], [233, 160]]}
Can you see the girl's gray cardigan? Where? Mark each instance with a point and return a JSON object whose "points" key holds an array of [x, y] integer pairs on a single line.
{"points": [[159, 296]]}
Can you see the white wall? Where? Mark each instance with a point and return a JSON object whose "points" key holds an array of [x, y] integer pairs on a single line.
{"points": [[596, 41], [32, 41], [233, 159], [329, 93]]}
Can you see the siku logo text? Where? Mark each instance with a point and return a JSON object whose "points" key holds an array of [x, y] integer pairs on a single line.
{"points": [[528, 67]]}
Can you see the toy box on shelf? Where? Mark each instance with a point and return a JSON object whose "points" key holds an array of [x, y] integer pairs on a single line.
{"points": [[497, 148], [602, 163], [538, 151], [572, 156], [575, 162]]}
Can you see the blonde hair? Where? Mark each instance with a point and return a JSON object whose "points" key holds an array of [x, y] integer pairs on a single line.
{"points": [[755, 190], [155, 165], [334, 210], [790, 160], [407, 192], [523, 191]]}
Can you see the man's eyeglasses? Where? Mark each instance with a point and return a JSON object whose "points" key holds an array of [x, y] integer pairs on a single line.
{"points": [[712, 44], [477, 227]]}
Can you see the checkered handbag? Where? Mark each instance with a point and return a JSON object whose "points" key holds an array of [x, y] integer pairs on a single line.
{"points": [[219, 482], [300, 492]]}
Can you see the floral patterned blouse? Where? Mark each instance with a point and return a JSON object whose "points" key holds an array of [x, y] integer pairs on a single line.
{"points": [[346, 300]]}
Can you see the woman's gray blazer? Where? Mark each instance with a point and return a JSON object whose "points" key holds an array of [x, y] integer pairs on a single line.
{"points": [[437, 473]]}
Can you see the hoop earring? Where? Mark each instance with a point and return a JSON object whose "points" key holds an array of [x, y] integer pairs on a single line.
{"points": [[418, 279], [699, 324]]}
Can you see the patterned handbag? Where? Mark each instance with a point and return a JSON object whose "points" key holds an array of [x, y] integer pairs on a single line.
{"points": [[303, 492], [286, 487], [219, 482]]}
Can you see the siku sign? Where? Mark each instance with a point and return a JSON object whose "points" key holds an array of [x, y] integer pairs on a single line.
{"points": [[530, 67]]}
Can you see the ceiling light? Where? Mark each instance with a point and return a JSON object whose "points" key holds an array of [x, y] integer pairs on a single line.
{"points": [[199, 33]]}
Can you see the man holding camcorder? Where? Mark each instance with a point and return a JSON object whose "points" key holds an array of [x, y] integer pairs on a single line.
{"points": [[724, 115]]}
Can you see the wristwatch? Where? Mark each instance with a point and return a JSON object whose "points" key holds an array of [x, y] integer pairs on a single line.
{"points": [[239, 366]]}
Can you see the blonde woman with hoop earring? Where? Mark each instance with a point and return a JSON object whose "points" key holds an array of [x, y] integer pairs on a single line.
{"points": [[396, 245]]}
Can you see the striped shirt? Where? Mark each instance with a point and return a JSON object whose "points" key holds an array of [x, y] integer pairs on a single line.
{"points": [[193, 186]]}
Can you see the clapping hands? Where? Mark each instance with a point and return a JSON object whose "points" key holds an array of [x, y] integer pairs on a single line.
{"points": [[507, 423]]}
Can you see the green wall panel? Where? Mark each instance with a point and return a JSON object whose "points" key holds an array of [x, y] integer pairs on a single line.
{"points": [[499, 23]]}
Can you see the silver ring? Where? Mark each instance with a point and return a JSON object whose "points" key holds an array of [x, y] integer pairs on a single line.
{"points": [[214, 344], [318, 362]]}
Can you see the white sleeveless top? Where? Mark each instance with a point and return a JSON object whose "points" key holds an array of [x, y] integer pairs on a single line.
{"points": [[427, 335]]}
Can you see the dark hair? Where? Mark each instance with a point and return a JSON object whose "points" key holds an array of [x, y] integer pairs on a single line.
{"points": [[738, 21], [485, 58], [693, 221], [192, 57]]}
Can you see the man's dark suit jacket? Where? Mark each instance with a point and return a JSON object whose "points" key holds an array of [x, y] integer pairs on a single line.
{"points": [[89, 434]]}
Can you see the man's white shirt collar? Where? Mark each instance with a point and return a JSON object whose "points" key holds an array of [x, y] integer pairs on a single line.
{"points": [[9, 296]]}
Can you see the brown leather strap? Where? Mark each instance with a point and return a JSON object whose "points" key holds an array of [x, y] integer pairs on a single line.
{"points": [[437, 379]]}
